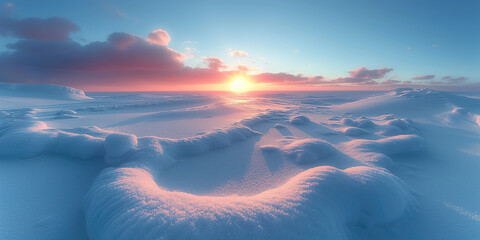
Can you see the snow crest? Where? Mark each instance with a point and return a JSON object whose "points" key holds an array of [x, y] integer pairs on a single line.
{"points": [[126, 203], [41, 91]]}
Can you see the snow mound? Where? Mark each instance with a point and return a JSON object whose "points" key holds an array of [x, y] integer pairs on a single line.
{"points": [[27, 139], [65, 114], [279, 126], [176, 148], [269, 116], [126, 203], [117, 145], [307, 151], [361, 123], [390, 145], [399, 123], [21, 135], [269, 148], [41, 91], [299, 120], [93, 131], [378, 153], [365, 123], [354, 131]]}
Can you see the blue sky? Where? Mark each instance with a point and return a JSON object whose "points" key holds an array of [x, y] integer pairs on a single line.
{"points": [[327, 38]]}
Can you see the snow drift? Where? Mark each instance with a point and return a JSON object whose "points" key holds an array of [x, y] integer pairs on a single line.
{"points": [[307, 151], [41, 91], [126, 203]]}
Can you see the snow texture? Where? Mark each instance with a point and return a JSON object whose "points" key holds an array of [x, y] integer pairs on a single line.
{"points": [[126, 203], [332, 186]]}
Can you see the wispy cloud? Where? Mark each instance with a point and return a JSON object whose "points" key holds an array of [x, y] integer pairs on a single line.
{"points": [[362, 75], [237, 53], [424, 77]]}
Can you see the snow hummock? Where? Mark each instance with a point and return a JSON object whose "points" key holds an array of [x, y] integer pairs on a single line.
{"points": [[354, 131], [308, 151], [21, 135], [299, 120], [41, 91], [117, 145]]}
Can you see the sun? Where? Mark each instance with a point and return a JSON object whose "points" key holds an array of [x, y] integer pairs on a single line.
{"points": [[240, 85]]}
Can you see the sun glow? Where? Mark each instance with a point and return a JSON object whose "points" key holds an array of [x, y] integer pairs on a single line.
{"points": [[240, 85]]}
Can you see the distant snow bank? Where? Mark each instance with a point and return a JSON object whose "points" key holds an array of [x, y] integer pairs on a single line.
{"points": [[41, 91], [414, 93]]}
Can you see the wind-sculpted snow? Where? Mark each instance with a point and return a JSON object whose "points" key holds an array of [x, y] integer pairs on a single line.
{"points": [[118, 145], [170, 103], [321, 202], [354, 131], [264, 117], [65, 114], [340, 184], [387, 125], [31, 138], [415, 93], [21, 135], [299, 120], [379, 152], [127, 203], [165, 152], [391, 145], [41, 91], [361, 123], [307, 151]]}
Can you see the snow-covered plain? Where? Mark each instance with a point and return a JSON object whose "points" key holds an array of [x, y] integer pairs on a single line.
{"points": [[402, 164]]}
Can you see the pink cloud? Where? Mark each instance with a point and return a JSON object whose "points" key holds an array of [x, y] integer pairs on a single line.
{"points": [[159, 37], [214, 63], [243, 68], [286, 78], [457, 80], [390, 81], [122, 40], [362, 75], [121, 52], [238, 53], [424, 77]]}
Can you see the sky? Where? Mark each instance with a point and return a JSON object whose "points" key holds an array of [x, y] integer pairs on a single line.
{"points": [[277, 45]]}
